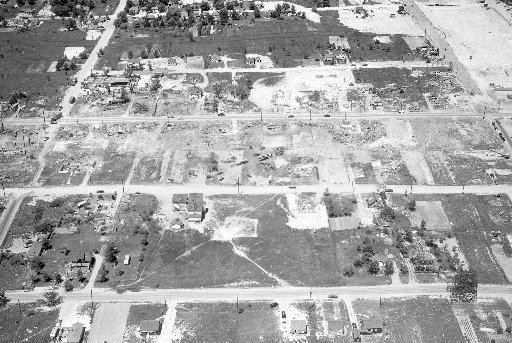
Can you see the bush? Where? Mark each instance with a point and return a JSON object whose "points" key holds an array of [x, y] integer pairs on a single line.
{"points": [[68, 286], [389, 268], [373, 268], [52, 298], [274, 305], [348, 271]]}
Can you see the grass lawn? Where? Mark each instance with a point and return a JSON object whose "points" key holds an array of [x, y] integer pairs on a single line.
{"points": [[422, 320], [32, 325], [221, 322], [140, 312]]}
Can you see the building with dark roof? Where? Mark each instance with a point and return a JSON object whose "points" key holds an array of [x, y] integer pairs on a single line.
{"points": [[74, 334], [150, 327]]}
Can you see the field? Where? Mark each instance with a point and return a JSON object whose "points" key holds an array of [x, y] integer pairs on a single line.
{"points": [[27, 323], [222, 322], [415, 89], [239, 244], [421, 320], [24, 66]]}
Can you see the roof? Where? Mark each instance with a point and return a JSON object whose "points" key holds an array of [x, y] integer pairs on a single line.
{"points": [[74, 333], [195, 202], [335, 326], [179, 198], [298, 326], [344, 223], [374, 322], [149, 326], [35, 249]]}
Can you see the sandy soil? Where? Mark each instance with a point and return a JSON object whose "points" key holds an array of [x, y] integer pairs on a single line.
{"points": [[379, 20], [473, 33]]}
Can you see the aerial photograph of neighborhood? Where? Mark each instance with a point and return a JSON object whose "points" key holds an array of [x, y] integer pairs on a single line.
{"points": [[255, 171]]}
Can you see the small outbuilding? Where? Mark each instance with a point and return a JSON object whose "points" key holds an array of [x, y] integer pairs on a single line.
{"points": [[298, 327], [150, 327]]}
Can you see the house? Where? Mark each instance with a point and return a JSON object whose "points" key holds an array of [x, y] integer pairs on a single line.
{"points": [[195, 62], [335, 326], [179, 202], [340, 43], [74, 334], [35, 249], [134, 10], [372, 325], [193, 31], [150, 327], [81, 259], [248, 5], [195, 207], [298, 327], [195, 92], [335, 57], [236, 63], [374, 202], [250, 62], [172, 61]]}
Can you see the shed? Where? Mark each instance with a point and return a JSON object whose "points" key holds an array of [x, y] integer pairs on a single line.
{"points": [[36, 249], [335, 326], [298, 327], [195, 207], [151, 327], [340, 43], [371, 325]]}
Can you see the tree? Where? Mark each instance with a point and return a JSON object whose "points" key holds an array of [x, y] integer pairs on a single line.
{"points": [[109, 252], [224, 16], [57, 278], [373, 268], [102, 274], [3, 299], [387, 213], [52, 298], [36, 264], [80, 275], [411, 205], [389, 268], [70, 23], [408, 236], [465, 286], [20, 2], [257, 12], [68, 286]]}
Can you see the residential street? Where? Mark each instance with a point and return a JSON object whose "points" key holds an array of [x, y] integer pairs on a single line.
{"points": [[271, 293]]}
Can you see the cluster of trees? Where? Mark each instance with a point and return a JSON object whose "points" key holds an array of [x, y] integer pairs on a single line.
{"points": [[74, 8], [28, 2], [284, 9], [464, 287]]}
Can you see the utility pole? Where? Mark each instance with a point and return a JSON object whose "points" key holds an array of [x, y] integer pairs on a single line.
{"points": [[310, 116], [261, 114], [92, 303], [3, 188], [238, 184]]}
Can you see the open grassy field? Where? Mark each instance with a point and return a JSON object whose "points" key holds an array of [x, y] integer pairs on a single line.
{"points": [[26, 59], [27, 323], [238, 243], [422, 320], [222, 322]]}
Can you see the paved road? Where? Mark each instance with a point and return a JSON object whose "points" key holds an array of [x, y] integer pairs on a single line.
{"points": [[269, 293], [169, 189], [264, 115], [8, 216]]}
